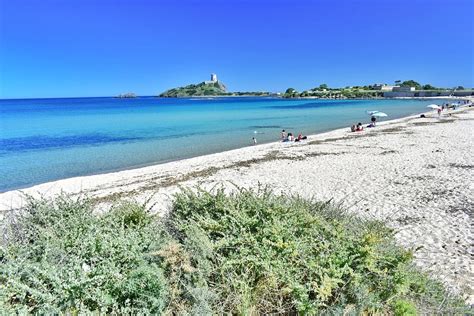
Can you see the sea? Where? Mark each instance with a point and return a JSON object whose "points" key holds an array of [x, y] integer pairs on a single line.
{"points": [[43, 140]]}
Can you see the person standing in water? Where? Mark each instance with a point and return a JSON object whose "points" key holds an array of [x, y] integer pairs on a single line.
{"points": [[254, 140]]}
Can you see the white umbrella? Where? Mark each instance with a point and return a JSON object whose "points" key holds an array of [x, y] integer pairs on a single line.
{"points": [[379, 114], [433, 106], [372, 112]]}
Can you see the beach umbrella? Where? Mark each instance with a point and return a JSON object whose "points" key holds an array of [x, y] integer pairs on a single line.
{"points": [[433, 106], [379, 114], [372, 112]]}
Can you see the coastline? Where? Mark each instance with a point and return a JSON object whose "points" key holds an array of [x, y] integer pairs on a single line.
{"points": [[413, 173], [40, 187], [153, 160], [384, 98], [69, 185]]}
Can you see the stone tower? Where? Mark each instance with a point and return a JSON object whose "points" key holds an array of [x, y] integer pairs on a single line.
{"points": [[213, 77]]}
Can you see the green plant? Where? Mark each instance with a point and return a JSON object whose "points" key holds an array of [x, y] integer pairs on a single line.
{"points": [[411, 83], [404, 308], [262, 253], [60, 257], [249, 252]]}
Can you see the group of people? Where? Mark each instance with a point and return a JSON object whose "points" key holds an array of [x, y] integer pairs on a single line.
{"points": [[446, 106], [359, 127], [286, 137], [289, 137]]}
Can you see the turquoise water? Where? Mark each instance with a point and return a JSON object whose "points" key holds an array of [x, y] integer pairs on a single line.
{"points": [[48, 139]]}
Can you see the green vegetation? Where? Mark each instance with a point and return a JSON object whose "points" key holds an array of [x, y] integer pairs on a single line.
{"points": [[61, 258], [329, 93], [361, 93], [250, 93], [404, 308], [291, 93], [411, 83], [247, 253], [200, 89], [429, 87], [323, 91], [207, 89]]}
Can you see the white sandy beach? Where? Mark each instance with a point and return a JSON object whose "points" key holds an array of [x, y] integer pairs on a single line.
{"points": [[417, 174]]}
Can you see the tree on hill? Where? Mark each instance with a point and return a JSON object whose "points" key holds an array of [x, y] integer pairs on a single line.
{"points": [[429, 87], [411, 83], [290, 93], [323, 86]]}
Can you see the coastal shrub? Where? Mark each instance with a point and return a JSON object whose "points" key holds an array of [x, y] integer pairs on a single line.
{"points": [[248, 253], [260, 253], [404, 308], [59, 257]]}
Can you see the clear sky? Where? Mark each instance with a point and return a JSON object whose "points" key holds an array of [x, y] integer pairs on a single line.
{"points": [[62, 48]]}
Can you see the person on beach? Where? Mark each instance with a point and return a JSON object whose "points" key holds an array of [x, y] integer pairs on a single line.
{"points": [[373, 119], [353, 128], [254, 140], [283, 135], [299, 138], [439, 112], [359, 127]]}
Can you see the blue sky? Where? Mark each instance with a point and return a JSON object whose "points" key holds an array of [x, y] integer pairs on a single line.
{"points": [[64, 48]]}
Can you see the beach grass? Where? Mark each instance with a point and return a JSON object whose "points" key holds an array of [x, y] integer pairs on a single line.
{"points": [[247, 252]]}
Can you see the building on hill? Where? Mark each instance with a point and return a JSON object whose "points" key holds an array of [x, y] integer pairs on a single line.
{"points": [[403, 89], [387, 88], [211, 87], [383, 87], [213, 79]]}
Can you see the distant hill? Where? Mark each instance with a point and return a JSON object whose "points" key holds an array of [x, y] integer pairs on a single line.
{"points": [[201, 89]]}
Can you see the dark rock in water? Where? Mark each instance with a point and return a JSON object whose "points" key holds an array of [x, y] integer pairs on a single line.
{"points": [[127, 95]]}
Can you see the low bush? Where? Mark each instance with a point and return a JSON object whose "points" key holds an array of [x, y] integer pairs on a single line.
{"points": [[261, 253], [59, 257], [404, 308], [214, 253]]}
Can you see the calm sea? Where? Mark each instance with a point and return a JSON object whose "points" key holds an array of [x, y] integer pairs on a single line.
{"points": [[48, 139]]}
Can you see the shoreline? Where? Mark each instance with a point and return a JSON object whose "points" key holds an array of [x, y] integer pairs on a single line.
{"points": [[383, 98], [247, 95], [145, 165], [143, 168], [413, 173], [80, 173]]}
